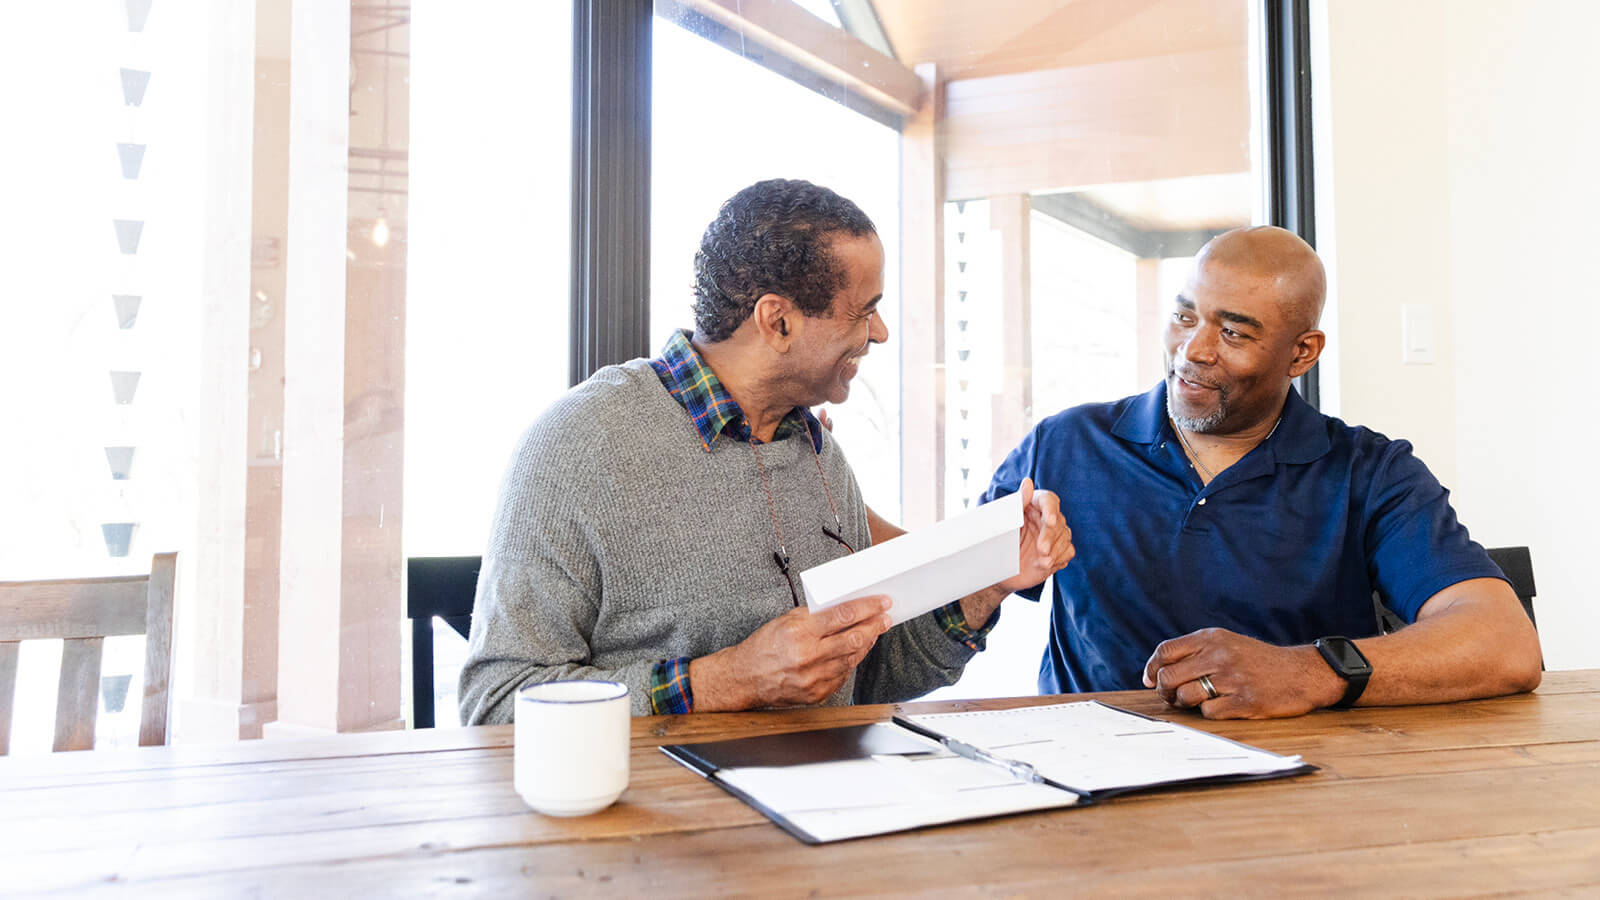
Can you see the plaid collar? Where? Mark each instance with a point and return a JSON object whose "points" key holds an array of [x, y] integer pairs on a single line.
{"points": [[685, 375]]}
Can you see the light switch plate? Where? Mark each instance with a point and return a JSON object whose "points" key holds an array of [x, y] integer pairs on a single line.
{"points": [[1416, 334]]}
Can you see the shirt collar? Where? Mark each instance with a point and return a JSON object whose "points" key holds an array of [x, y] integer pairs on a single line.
{"points": [[685, 375], [1301, 436]]}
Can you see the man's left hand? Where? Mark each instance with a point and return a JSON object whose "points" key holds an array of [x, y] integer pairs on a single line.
{"points": [[1045, 544], [1252, 679]]}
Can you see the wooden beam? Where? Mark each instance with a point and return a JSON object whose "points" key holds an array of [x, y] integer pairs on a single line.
{"points": [[1078, 211], [977, 40], [215, 612], [89, 607], [833, 54], [1151, 306], [1012, 415], [922, 372], [339, 590], [1128, 121]]}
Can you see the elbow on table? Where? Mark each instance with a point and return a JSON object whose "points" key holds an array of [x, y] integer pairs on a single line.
{"points": [[1522, 667], [1530, 669]]}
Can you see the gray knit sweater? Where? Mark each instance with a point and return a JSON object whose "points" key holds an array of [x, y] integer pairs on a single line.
{"points": [[619, 541]]}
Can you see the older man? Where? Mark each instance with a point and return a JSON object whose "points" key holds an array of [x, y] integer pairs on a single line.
{"points": [[654, 521], [1231, 537]]}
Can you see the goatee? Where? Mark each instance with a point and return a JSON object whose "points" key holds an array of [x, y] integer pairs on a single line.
{"points": [[1204, 424]]}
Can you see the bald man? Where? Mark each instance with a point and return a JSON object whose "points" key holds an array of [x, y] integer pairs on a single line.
{"points": [[1229, 537]]}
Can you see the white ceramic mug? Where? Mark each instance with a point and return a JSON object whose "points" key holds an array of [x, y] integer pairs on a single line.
{"points": [[571, 746]]}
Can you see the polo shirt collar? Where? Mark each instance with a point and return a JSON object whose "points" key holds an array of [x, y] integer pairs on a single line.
{"points": [[691, 382], [1143, 419], [1301, 438], [1303, 433]]}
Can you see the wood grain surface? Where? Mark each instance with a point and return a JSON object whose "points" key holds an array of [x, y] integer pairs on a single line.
{"points": [[1486, 797]]}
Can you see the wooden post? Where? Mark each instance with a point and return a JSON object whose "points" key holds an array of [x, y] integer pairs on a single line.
{"points": [[922, 375], [339, 587], [212, 606], [1013, 406], [1151, 355]]}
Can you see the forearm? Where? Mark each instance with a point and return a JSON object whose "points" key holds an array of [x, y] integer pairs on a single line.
{"points": [[718, 684], [881, 529], [1471, 640], [978, 606], [909, 660]]}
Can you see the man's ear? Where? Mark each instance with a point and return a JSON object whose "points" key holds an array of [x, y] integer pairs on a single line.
{"points": [[1307, 349], [774, 318]]}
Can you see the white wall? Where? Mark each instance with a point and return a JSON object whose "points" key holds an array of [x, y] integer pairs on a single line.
{"points": [[1457, 169]]}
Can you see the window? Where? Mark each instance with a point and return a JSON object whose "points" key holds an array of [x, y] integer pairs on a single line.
{"points": [[722, 123], [288, 289], [489, 270], [1047, 164], [282, 290]]}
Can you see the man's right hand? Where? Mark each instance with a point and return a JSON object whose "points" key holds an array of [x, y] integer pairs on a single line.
{"points": [[797, 659]]}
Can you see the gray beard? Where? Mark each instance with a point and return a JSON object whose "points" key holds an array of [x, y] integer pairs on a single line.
{"points": [[1198, 426]]}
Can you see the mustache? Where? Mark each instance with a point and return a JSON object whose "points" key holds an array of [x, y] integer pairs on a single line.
{"points": [[1189, 376]]}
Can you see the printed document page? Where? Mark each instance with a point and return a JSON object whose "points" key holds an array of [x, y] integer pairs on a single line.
{"points": [[852, 798], [1091, 747]]}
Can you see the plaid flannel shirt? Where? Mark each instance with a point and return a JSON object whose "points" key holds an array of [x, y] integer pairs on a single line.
{"points": [[691, 382]]}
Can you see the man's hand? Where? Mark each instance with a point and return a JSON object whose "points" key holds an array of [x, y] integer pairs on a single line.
{"points": [[797, 659], [1253, 680], [1045, 544]]}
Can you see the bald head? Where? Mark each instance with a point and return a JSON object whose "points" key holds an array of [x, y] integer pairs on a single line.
{"points": [[1267, 251]]}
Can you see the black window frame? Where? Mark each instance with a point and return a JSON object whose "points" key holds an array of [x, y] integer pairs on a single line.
{"points": [[1291, 194]]}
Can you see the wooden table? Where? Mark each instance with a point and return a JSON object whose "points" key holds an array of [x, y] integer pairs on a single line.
{"points": [[1472, 798]]}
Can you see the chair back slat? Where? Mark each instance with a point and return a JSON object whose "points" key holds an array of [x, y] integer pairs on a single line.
{"points": [[78, 701], [158, 650], [83, 612], [88, 607], [8, 691]]}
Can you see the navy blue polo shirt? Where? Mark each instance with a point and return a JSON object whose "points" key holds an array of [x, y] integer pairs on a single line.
{"points": [[1286, 545]]}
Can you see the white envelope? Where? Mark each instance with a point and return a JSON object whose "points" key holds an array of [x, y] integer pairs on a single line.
{"points": [[928, 568]]}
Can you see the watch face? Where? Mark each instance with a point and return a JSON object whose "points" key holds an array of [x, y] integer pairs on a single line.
{"points": [[1345, 652]]}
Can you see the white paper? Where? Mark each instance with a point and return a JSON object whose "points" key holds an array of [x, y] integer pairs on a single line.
{"points": [[838, 824], [1091, 746], [852, 798], [925, 569]]}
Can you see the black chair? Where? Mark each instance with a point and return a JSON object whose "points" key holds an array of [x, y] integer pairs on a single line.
{"points": [[442, 586], [1514, 562], [1517, 565]]}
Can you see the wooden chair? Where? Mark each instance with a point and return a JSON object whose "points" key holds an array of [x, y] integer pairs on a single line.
{"points": [[442, 586], [84, 612]]}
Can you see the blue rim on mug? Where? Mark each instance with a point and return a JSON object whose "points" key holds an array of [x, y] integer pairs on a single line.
{"points": [[523, 695]]}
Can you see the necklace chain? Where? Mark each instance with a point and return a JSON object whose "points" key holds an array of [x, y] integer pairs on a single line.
{"points": [[1194, 455], [772, 508]]}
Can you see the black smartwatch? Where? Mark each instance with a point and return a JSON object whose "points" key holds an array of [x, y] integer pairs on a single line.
{"points": [[1345, 658]]}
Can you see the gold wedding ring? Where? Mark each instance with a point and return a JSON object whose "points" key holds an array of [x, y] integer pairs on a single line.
{"points": [[1210, 689]]}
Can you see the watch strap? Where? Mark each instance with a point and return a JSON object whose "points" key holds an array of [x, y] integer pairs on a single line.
{"points": [[1354, 687], [1355, 682]]}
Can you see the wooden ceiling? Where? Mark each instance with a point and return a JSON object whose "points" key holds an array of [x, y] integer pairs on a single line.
{"points": [[1197, 203], [979, 38]]}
